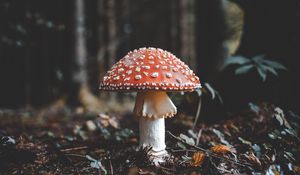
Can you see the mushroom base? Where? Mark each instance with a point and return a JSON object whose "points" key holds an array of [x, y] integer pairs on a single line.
{"points": [[152, 134]]}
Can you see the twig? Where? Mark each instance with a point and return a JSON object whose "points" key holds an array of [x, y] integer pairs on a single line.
{"points": [[75, 155], [198, 112], [73, 149], [168, 170], [111, 167], [186, 150], [210, 152], [215, 166], [198, 136]]}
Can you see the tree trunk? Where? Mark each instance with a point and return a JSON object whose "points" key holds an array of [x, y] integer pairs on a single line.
{"points": [[174, 31], [112, 32], [79, 73], [187, 28]]}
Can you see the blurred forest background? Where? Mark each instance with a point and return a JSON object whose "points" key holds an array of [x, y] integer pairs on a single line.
{"points": [[52, 49]]}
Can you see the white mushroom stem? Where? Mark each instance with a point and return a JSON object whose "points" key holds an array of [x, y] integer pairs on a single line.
{"points": [[153, 107], [152, 133]]}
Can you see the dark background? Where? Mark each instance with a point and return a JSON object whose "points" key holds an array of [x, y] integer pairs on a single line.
{"points": [[37, 41]]}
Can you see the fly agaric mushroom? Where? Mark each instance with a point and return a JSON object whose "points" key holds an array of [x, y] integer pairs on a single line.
{"points": [[151, 73]]}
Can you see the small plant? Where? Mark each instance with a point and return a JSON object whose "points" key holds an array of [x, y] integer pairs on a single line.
{"points": [[262, 65]]}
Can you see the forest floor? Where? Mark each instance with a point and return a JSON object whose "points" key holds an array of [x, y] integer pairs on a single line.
{"points": [[260, 140]]}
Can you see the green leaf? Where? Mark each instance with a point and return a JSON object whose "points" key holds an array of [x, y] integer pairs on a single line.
{"points": [[181, 145], [274, 64], [254, 107], [258, 59], [187, 139], [262, 73], [222, 137], [186, 158], [123, 134], [269, 69], [243, 69], [236, 60], [211, 90]]}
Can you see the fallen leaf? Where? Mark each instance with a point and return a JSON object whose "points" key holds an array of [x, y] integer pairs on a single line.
{"points": [[252, 158], [197, 158], [220, 149], [296, 169]]}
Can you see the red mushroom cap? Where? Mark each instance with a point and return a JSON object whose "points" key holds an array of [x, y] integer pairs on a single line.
{"points": [[150, 69]]}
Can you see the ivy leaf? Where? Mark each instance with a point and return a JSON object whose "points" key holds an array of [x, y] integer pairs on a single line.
{"points": [[243, 69]]}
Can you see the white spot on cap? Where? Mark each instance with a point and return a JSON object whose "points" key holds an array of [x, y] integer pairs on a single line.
{"points": [[164, 67], [145, 73], [129, 72], [116, 78], [127, 79], [154, 74], [137, 69], [138, 77], [168, 74], [146, 67]]}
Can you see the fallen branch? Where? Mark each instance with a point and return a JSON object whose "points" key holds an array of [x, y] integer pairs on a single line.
{"points": [[73, 149], [209, 153]]}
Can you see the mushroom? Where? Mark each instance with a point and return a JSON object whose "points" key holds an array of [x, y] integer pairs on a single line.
{"points": [[151, 73]]}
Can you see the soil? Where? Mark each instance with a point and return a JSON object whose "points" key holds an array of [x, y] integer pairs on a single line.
{"points": [[260, 140]]}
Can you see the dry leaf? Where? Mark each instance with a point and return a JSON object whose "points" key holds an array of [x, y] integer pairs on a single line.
{"points": [[198, 158], [252, 158], [220, 149], [296, 169]]}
